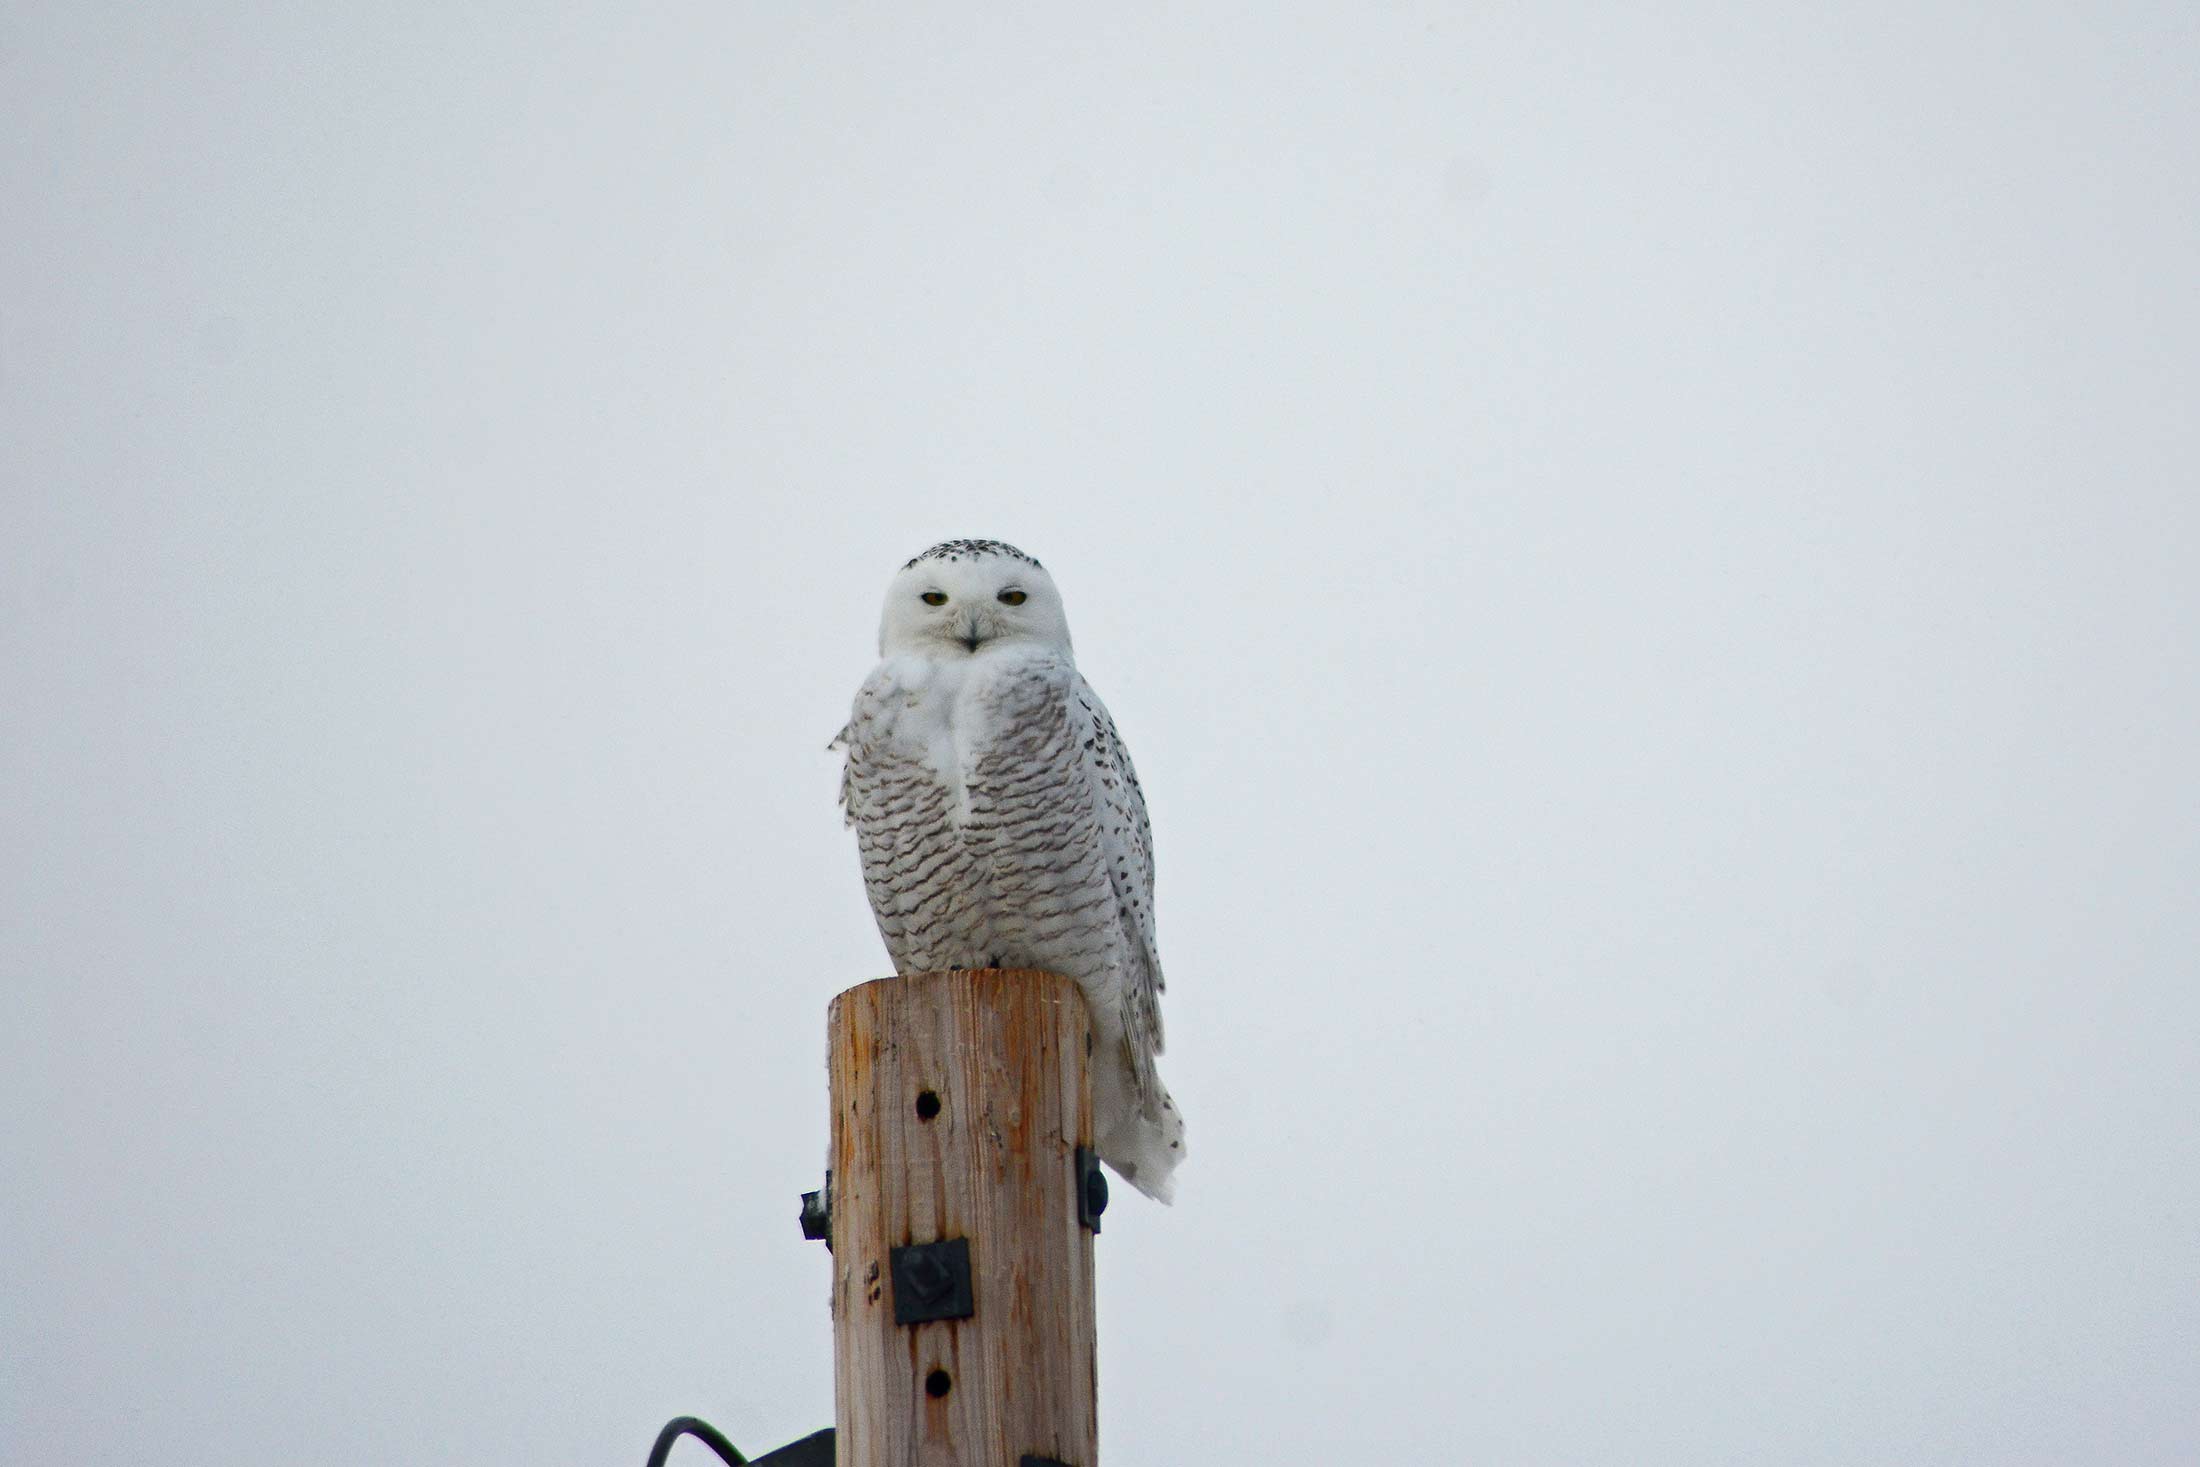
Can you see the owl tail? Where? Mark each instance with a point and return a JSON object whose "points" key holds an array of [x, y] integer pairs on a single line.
{"points": [[1142, 1142]]}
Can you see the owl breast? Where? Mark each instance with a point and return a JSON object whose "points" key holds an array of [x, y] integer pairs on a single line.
{"points": [[980, 835]]}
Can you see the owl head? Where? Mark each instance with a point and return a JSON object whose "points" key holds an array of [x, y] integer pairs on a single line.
{"points": [[963, 598]]}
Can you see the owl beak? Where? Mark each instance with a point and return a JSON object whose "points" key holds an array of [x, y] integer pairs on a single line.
{"points": [[970, 637]]}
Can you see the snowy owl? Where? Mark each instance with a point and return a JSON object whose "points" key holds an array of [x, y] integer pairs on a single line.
{"points": [[1000, 823]]}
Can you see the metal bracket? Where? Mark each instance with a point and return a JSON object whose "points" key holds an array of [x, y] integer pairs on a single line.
{"points": [[932, 1281], [1092, 1189], [814, 1450], [817, 1214], [1028, 1460]]}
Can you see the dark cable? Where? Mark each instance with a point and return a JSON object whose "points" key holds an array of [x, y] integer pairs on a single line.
{"points": [[703, 1432]]}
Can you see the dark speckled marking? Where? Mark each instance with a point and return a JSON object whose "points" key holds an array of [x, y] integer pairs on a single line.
{"points": [[959, 550]]}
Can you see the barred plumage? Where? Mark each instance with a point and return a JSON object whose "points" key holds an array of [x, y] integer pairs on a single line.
{"points": [[1000, 822]]}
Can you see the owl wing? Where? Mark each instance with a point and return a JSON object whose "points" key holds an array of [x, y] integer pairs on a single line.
{"points": [[1126, 842], [856, 741]]}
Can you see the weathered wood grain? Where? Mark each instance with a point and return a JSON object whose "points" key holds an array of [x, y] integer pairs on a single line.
{"points": [[1005, 1055]]}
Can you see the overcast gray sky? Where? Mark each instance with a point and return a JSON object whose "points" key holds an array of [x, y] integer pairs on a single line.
{"points": [[1646, 556]]}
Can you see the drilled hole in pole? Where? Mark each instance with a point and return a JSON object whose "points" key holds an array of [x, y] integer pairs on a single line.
{"points": [[928, 1105], [938, 1384]]}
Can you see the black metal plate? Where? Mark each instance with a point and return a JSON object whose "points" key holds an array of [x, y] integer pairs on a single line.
{"points": [[1092, 1189], [817, 1213], [932, 1281], [814, 1450]]}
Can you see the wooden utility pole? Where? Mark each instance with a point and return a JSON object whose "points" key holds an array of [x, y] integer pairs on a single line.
{"points": [[961, 1212]]}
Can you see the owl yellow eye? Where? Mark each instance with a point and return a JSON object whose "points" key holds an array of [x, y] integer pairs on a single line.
{"points": [[1012, 598], [935, 598]]}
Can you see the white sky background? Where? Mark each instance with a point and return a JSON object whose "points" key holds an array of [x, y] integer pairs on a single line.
{"points": [[1647, 562]]}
